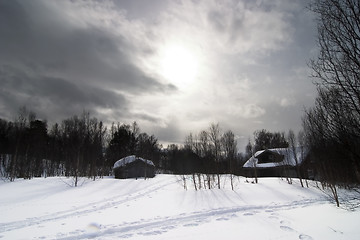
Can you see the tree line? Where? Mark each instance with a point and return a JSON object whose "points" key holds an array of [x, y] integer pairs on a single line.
{"points": [[78, 146]]}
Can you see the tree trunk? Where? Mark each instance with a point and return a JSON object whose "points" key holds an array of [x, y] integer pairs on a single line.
{"points": [[255, 173], [334, 193], [194, 180]]}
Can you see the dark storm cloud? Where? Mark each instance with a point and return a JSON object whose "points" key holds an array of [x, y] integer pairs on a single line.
{"points": [[48, 93], [46, 58]]}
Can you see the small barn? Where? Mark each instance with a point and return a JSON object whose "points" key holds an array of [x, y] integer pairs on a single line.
{"points": [[277, 162], [134, 167]]}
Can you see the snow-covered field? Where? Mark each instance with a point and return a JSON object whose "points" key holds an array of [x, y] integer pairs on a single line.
{"points": [[160, 208]]}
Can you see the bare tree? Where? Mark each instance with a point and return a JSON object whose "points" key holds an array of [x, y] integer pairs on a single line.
{"points": [[191, 145], [302, 141], [337, 74], [293, 151], [205, 152], [214, 134], [204, 147], [215, 152], [285, 166], [255, 170], [332, 126], [229, 146], [338, 63]]}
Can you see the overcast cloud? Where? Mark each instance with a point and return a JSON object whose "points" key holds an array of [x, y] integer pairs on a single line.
{"points": [[172, 66]]}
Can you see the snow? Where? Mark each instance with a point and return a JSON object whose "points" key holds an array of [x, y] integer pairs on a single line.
{"points": [[129, 159], [288, 154], [160, 208]]}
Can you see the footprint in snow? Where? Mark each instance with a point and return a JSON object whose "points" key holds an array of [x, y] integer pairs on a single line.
{"points": [[305, 237], [191, 225], [151, 233], [126, 236], [274, 216], [168, 227], [222, 219], [284, 222], [201, 220], [248, 214], [287, 228]]}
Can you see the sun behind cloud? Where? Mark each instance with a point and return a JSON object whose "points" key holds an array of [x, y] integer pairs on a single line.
{"points": [[179, 65]]}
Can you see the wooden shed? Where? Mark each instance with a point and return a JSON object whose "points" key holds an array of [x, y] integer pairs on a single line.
{"points": [[277, 162], [134, 167]]}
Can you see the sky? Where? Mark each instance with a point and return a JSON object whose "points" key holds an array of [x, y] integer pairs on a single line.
{"points": [[174, 67]]}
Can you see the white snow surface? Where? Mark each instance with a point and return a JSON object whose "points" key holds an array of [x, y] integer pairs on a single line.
{"points": [[160, 208], [288, 153], [129, 159]]}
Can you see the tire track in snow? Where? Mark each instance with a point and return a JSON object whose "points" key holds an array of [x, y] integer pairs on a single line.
{"points": [[87, 208]]}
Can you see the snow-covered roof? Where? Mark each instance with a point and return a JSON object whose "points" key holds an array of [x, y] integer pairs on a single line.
{"points": [[288, 153], [129, 159]]}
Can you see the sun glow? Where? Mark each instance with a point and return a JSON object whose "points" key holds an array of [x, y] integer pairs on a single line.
{"points": [[179, 66]]}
